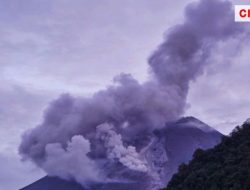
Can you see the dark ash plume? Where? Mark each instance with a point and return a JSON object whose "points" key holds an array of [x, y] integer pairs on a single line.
{"points": [[183, 55], [93, 132]]}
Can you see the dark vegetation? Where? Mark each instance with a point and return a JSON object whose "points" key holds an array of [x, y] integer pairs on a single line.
{"points": [[224, 167]]}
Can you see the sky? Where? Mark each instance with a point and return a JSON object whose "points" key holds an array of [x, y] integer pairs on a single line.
{"points": [[50, 47]]}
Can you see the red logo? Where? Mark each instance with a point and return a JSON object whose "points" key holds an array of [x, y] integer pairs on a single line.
{"points": [[242, 13]]}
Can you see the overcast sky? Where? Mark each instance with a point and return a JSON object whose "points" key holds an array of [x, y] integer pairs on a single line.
{"points": [[49, 47]]}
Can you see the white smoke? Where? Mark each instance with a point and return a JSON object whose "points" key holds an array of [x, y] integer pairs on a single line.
{"points": [[71, 162], [116, 150]]}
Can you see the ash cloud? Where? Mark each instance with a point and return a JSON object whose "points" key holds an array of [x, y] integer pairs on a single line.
{"points": [[65, 162], [129, 107], [116, 149], [184, 53]]}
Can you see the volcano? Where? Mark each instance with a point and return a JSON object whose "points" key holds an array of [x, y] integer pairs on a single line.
{"points": [[165, 150]]}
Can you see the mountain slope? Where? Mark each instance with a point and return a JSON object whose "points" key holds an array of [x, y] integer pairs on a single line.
{"points": [[225, 167], [49, 183], [165, 149], [181, 140], [55, 183]]}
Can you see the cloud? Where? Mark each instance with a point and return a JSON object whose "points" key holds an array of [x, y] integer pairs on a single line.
{"points": [[73, 37], [221, 93]]}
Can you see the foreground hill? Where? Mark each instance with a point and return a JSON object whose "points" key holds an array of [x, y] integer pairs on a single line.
{"points": [[225, 167], [165, 149]]}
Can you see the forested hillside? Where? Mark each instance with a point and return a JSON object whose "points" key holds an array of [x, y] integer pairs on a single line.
{"points": [[224, 167]]}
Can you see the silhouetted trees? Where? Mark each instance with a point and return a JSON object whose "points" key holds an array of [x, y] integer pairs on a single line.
{"points": [[224, 167]]}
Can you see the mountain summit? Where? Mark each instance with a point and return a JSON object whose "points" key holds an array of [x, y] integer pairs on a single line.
{"points": [[165, 149]]}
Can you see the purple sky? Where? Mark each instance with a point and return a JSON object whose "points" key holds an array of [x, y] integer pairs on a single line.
{"points": [[53, 46]]}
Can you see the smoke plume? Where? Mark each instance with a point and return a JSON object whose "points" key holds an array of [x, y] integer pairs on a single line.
{"points": [[75, 155], [67, 142], [116, 150]]}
